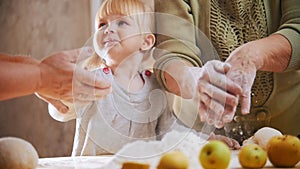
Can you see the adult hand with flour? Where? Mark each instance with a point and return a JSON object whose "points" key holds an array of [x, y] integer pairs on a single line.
{"points": [[270, 54], [216, 94]]}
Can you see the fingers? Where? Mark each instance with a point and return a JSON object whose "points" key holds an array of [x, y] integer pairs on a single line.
{"points": [[66, 80], [216, 118], [212, 94], [245, 80], [211, 104], [56, 103], [212, 118], [83, 92], [214, 73], [220, 104], [79, 54], [246, 103], [95, 94], [228, 114], [232, 143], [92, 79], [246, 96], [90, 86], [218, 95], [221, 67], [222, 82]]}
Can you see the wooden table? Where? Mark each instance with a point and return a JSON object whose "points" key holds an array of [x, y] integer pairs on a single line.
{"points": [[95, 162]]}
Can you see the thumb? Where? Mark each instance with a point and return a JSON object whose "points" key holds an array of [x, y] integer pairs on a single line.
{"points": [[246, 102], [56, 103], [83, 53], [77, 55]]}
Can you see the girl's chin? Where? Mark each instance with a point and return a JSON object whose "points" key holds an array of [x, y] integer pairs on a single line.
{"points": [[110, 44]]}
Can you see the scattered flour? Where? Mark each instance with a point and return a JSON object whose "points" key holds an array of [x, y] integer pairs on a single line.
{"points": [[150, 151]]}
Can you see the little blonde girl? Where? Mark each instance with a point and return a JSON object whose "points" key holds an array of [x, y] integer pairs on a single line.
{"points": [[137, 107]]}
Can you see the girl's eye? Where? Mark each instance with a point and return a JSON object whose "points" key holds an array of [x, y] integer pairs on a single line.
{"points": [[101, 25], [121, 23]]}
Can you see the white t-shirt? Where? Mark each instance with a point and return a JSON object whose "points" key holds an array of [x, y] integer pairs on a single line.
{"points": [[106, 125]]}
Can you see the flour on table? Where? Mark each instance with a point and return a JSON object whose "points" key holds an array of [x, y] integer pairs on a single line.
{"points": [[150, 152]]}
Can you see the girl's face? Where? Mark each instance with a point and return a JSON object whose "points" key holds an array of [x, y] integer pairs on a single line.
{"points": [[118, 36]]}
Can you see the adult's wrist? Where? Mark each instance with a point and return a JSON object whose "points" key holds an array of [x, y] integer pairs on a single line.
{"points": [[275, 52], [178, 78], [41, 82]]}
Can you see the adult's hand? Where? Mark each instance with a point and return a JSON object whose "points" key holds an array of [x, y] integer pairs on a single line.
{"points": [[217, 94], [63, 79], [268, 54], [243, 72]]}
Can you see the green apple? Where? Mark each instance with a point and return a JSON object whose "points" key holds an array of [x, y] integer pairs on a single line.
{"points": [[173, 160], [284, 151], [215, 155], [252, 156]]}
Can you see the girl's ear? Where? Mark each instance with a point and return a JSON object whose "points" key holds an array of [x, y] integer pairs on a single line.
{"points": [[149, 41]]}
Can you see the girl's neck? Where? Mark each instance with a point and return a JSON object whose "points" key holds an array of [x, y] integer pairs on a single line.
{"points": [[127, 72]]}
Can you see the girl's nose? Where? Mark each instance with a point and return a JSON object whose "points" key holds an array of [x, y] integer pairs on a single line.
{"points": [[109, 29]]}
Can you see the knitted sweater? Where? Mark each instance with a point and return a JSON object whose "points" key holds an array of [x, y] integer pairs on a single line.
{"points": [[186, 32]]}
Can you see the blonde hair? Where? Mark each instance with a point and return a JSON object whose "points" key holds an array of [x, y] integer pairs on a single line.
{"points": [[134, 8]]}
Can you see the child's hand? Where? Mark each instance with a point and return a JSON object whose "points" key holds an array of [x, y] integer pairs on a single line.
{"points": [[232, 143]]}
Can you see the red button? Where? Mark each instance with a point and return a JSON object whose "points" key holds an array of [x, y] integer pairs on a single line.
{"points": [[106, 70], [148, 73]]}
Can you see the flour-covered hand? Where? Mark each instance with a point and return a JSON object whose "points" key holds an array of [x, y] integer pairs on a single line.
{"points": [[217, 94]]}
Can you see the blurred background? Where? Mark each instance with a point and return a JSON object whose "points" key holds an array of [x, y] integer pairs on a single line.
{"points": [[39, 28]]}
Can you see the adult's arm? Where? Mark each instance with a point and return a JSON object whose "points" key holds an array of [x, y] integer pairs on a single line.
{"points": [[176, 44], [181, 52], [276, 53], [20, 76], [53, 77]]}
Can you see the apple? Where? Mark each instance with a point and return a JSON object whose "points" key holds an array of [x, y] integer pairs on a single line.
{"points": [[135, 165], [215, 155], [252, 156], [173, 160], [284, 151]]}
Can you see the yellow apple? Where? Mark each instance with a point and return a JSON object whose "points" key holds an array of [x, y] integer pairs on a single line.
{"points": [[135, 165], [173, 160], [252, 156], [284, 151], [215, 155]]}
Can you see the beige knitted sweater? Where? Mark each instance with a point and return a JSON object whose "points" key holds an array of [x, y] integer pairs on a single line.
{"points": [[228, 24]]}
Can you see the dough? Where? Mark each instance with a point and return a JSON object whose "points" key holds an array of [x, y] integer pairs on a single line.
{"points": [[262, 137], [16, 153]]}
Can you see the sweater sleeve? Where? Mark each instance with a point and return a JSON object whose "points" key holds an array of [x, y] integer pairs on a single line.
{"points": [[175, 35], [179, 36], [290, 28]]}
